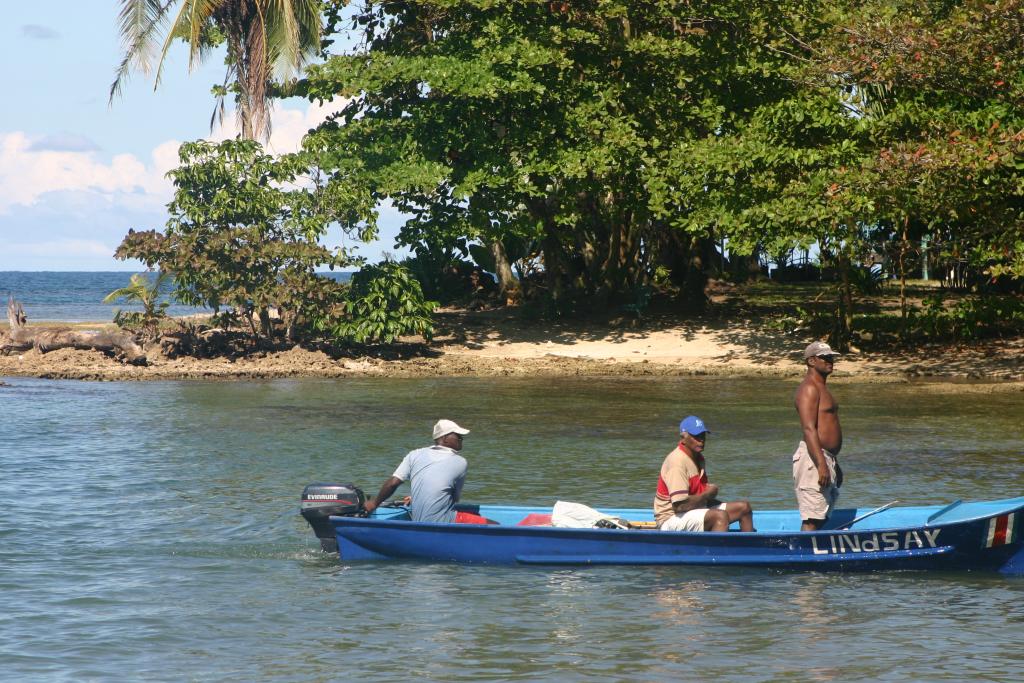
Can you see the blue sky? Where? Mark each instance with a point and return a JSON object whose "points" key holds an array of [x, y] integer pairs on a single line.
{"points": [[75, 173]]}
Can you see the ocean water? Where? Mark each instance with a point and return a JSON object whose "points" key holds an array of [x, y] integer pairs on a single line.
{"points": [[150, 532], [78, 296]]}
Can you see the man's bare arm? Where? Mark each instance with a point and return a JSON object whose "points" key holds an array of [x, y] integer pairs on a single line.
{"points": [[807, 402], [389, 487], [702, 500]]}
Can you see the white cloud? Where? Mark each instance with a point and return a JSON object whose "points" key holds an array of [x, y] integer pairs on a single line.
{"points": [[64, 142], [288, 127], [31, 167], [73, 230], [63, 207], [28, 173]]}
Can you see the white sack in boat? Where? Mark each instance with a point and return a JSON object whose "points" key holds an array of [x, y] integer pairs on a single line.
{"points": [[579, 516]]}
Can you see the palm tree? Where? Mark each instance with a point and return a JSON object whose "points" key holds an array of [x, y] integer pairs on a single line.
{"points": [[265, 39], [146, 292]]}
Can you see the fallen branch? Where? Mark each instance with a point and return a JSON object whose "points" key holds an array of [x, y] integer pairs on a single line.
{"points": [[22, 338]]}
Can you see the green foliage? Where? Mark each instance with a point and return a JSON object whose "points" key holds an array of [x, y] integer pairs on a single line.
{"points": [[384, 302], [867, 281], [146, 292], [802, 320], [939, 88], [970, 318], [439, 268], [593, 143], [243, 234], [907, 123], [446, 276], [572, 125]]}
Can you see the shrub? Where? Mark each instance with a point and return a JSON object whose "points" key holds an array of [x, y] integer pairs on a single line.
{"points": [[968, 319], [383, 302]]}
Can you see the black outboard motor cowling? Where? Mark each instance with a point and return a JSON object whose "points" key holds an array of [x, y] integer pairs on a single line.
{"points": [[320, 501]]}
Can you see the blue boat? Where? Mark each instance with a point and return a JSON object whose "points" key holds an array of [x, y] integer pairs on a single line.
{"points": [[961, 535]]}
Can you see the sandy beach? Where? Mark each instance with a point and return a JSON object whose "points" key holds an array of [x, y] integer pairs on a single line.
{"points": [[501, 343]]}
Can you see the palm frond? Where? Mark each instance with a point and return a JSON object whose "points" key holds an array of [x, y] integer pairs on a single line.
{"points": [[219, 101], [135, 291], [283, 33], [140, 22], [265, 39], [877, 98], [293, 34], [188, 26]]}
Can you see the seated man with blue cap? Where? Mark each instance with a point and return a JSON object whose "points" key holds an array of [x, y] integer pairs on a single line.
{"points": [[685, 501]]}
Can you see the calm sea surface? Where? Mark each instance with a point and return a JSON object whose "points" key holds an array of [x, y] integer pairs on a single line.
{"points": [[150, 532], [78, 296]]}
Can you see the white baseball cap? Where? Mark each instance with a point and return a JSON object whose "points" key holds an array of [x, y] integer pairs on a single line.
{"points": [[447, 427]]}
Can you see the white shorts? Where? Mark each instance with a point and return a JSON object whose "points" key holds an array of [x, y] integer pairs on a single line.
{"points": [[691, 520]]}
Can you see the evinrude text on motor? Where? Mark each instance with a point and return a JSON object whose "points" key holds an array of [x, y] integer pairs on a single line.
{"points": [[320, 501]]}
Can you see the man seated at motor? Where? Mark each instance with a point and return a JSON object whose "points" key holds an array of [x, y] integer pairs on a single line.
{"points": [[685, 501], [437, 473]]}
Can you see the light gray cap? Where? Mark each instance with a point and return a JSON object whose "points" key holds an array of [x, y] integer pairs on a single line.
{"points": [[818, 348]]}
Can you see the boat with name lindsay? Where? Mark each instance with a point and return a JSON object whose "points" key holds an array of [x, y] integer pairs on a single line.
{"points": [[983, 535]]}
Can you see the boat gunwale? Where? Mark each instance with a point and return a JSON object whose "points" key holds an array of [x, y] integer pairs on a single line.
{"points": [[1006, 506]]}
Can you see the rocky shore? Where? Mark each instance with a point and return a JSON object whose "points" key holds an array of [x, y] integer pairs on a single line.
{"points": [[498, 344]]}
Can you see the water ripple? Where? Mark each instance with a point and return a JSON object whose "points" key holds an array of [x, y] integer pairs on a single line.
{"points": [[150, 533]]}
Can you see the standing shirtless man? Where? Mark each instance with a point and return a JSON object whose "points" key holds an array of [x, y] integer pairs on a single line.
{"points": [[816, 474]]}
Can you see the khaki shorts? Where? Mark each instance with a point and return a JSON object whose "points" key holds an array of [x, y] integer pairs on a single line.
{"points": [[814, 502], [691, 520]]}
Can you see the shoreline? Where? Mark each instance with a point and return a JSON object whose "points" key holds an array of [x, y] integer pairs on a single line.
{"points": [[500, 344]]}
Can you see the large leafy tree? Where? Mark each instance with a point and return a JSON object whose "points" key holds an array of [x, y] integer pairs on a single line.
{"points": [[908, 121], [943, 85], [560, 123], [264, 39]]}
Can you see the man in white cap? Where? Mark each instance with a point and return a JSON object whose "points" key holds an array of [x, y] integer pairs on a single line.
{"points": [[437, 473], [816, 473]]}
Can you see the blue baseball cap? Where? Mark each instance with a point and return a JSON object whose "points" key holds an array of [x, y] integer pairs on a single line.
{"points": [[693, 425]]}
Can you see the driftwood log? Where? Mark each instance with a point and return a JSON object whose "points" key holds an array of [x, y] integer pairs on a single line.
{"points": [[22, 338]]}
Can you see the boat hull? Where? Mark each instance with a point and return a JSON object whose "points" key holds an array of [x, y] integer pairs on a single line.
{"points": [[975, 538]]}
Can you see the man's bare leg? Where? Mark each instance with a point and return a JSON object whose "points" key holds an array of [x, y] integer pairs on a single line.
{"points": [[811, 524], [741, 510], [716, 520]]}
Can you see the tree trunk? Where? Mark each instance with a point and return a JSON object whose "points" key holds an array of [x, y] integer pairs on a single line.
{"points": [[555, 260], [844, 315], [266, 326], [508, 286], [695, 278], [554, 268], [52, 338], [745, 267], [903, 282]]}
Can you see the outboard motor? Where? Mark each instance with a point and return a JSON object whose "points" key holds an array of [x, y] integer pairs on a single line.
{"points": [[320, 501]]}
